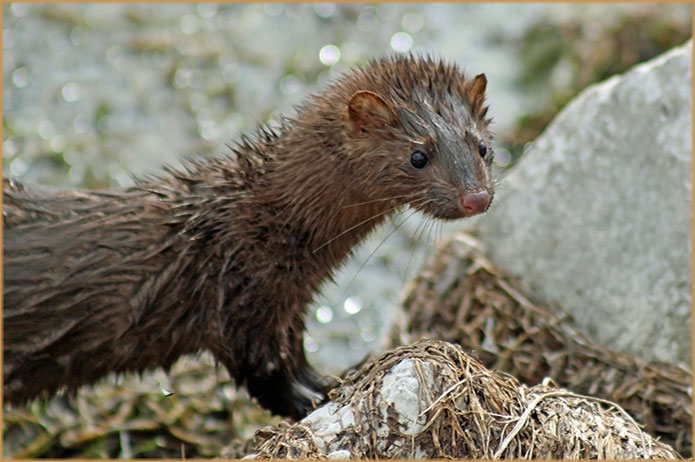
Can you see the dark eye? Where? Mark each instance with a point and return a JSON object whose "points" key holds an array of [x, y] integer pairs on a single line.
{"points": [[482, 149], [418, 159]]}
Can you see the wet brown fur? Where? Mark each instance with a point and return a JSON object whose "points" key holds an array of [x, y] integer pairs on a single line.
{"points": [[227, 255]]}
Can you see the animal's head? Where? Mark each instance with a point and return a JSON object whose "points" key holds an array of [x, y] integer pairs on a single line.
{"points": [[419, 130]]}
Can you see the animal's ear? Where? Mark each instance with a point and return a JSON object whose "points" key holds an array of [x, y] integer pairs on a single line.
{"points": [[476, 94], [367, 110]]}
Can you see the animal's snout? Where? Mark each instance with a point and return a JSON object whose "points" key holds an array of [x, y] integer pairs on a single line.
{"points": [[474, 202]]}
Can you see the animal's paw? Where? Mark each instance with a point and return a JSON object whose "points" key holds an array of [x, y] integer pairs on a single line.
{"points": [[309, 390], [289, 395]]}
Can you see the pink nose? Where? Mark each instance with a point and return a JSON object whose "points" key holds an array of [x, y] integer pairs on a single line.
{"points": [[473, 203]]}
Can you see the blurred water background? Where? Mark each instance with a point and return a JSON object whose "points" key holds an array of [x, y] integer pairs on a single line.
{"points": [[95, 95]]}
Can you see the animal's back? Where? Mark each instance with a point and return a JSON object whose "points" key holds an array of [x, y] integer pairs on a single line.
{"points": [[76, 268]]}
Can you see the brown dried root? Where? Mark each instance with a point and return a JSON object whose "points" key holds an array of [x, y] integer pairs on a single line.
{"points": [[431, 400], [461, 297]]}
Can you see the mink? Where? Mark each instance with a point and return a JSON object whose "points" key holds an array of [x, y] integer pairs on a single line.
{"points": [[226, 254]]}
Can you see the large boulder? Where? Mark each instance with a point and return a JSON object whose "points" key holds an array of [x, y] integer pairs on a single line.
{"points": [[597, 216]]}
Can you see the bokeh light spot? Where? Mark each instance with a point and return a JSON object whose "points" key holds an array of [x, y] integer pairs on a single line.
{"points": [[70, 92], [324, 314], [367, 21], [325, 10], [352, 305], [20, 77], [401, 42], [329, 55], [412, 22]]}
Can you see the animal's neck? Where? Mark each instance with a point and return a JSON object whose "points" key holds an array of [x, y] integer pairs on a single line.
{"points": [[316, 191], [298, 187]]}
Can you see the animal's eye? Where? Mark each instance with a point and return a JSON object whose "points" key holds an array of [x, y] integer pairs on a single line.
{"points": [[418, 159], [482, 149]]}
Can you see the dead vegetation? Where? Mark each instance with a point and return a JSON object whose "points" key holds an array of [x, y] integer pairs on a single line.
{"points": [[461, 297], [462, 410], [195, 411], [441, 402]]}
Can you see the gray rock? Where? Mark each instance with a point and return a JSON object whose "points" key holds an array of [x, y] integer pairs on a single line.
{"points": [[334, 426], [597, 216]]}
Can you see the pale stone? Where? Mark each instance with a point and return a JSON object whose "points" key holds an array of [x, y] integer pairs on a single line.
{"points": [[597, 216]]}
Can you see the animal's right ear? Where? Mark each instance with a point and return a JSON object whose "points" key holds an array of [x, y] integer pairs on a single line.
{"points": [[476, 95], [367, 111]]}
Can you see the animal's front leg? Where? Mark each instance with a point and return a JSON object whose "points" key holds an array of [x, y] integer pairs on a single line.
{"points": [[292, 389], [272, 365]]}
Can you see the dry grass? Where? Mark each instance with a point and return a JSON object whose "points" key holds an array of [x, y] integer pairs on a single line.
{"points": [[461, 297], [194, 411], [469, 412]]}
